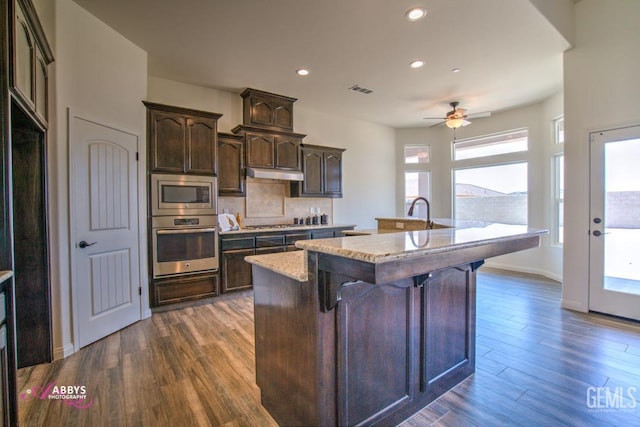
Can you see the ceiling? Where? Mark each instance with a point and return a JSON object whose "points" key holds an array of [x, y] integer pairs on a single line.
{"points": [[508, 54]]}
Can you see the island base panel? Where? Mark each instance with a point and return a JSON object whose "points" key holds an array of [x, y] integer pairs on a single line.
{"points": [[383, 353]]}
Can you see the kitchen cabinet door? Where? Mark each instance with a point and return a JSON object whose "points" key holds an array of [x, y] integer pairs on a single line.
{"points": [[231, 181], [260, 150], [166, 139], [201, 146], [287, 152], [236, 272], [313, 169], [332, 173]]}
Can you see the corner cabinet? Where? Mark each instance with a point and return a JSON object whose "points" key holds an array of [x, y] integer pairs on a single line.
{"points": [[231, 181], [322, 168], [182, 140]]}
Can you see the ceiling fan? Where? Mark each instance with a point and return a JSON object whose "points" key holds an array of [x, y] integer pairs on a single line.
{"points": [[457, 117]]}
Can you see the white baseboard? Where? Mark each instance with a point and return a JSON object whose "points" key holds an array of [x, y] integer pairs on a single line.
{"points": [[146, 313], [62, 352], [574, 305], [527, 270]]}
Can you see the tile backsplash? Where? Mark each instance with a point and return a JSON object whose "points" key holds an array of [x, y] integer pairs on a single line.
{"points": [[268, 202]]}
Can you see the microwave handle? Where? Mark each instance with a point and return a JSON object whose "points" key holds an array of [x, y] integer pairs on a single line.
{"points": [[187, 231]]}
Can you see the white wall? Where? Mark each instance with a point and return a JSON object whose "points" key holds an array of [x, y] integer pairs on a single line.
{"points": [[368, 163], [537, 118], [601, 92], [101, 75]]}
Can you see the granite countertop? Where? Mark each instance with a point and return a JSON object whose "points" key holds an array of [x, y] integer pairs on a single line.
{"points": [[379, 248], [290, 264], [5, 275], [288, 228]]}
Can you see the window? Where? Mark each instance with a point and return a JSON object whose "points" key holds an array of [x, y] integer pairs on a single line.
{"points": [[557, 168], [558, 210], [558, 125], [417, 177], [496, 193], [416, 154], [490, 145], [417, 184]]}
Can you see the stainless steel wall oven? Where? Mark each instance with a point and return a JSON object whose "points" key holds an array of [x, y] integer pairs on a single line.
{"points": [[184, 244]]}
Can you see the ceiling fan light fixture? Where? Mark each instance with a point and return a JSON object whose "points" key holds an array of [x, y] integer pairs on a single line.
{"points": [[416, 14], [454, 123]]}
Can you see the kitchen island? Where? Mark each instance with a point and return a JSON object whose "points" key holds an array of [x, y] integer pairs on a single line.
{"points": [[367, 330]]}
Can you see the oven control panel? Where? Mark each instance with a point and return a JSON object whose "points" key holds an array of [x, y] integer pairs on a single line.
{"points": [[186, 221]]}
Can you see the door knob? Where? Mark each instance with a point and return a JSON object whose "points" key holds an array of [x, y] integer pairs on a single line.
{"points": [[597, 233], [83, 244]]}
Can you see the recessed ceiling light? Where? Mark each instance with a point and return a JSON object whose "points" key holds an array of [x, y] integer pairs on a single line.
{"points": [[302, 72], [416, 13], [455, 70], [416, 64]]}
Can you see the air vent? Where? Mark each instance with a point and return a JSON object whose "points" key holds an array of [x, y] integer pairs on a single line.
{"points": [[360, 89]]}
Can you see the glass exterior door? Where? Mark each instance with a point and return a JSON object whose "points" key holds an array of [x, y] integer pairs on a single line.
{"points": [[614, 245]]}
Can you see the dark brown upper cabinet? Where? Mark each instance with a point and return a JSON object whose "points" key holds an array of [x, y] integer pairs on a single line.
{"points": [[182, 140], [31, 54], [231, 180], [267, 110], [287, 151], [322, 168], [270, 149]]}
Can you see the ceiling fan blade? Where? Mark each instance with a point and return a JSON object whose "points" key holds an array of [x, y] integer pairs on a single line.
{"points": [[434, 118], [466, 122], [437, 124], [478, 115]]}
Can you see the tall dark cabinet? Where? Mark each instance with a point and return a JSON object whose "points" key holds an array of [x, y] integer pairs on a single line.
{"points": [[24, 246]]}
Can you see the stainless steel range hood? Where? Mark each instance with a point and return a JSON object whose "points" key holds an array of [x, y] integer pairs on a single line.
{"points": [[275, 174]]}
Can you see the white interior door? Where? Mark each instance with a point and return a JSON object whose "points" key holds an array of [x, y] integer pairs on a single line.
{"points": [[614, 243], [104, 203]]}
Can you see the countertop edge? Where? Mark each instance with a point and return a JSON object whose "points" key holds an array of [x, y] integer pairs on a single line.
{"points": [[376, 258], [284, 229], [290, 264]]}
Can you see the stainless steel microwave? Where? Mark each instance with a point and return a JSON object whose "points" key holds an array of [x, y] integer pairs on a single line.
{"points": [[183, 195]]}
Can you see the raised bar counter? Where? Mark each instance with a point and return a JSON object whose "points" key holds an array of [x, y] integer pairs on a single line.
{"points": [[367, 330]]}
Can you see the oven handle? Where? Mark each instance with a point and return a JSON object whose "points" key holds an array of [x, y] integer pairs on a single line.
{"points": [[186, 231]]}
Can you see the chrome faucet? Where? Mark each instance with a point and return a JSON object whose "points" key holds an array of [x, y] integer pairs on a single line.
{"points": [[413, 204]]}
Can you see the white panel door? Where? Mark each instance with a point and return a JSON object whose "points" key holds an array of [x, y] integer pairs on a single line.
{"points": [[614, 243], [104, 203]]}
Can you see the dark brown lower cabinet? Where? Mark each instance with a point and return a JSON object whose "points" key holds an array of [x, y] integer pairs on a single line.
{"points": [[236, 272], [8, 393], [185, 288], [379, 355]]}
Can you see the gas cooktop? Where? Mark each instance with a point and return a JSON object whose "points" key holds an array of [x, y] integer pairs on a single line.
{"points": [[260, 227]]}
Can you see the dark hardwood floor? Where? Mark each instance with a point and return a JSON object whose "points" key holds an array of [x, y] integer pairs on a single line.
{"points": [[537, 364]]}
